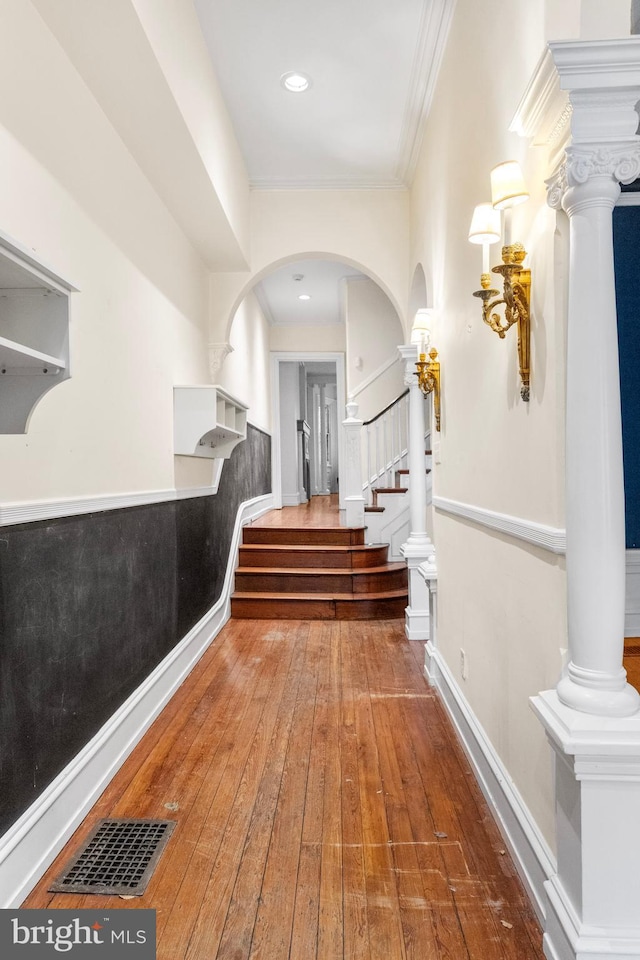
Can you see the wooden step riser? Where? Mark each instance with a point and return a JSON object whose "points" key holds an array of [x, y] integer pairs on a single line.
{"points": [[336, 536], [266, 609], [355, 559], [318, 583]]}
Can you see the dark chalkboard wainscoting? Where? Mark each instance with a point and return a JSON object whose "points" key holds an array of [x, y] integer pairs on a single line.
{"points": [[90, 605]]}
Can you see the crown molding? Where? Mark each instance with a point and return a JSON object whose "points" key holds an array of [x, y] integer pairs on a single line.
{"points": [[432, 40], [326, 183]]}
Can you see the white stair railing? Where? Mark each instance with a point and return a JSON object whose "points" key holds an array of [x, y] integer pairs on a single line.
{"points": [[385, 443]]}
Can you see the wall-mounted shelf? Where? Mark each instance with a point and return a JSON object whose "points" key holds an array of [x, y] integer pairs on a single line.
{"points": [[34, 333], [18, 360], [207, 421]]}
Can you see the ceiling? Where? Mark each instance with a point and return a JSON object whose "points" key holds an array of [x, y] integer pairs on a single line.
{"points": [[278, 294], [373, 66], [372, 63]]}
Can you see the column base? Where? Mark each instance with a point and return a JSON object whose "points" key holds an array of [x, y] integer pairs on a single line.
{"points": [[417, 620], [596, 694], [593, 910]]}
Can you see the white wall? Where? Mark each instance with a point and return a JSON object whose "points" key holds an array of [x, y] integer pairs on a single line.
{"points": [[71, 192], [374, 332], [302, 337], [367, 229], [246, 370], [502, 601]]}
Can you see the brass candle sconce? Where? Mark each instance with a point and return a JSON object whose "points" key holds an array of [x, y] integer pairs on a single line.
{"points": [[427, 370], [508, 190]]}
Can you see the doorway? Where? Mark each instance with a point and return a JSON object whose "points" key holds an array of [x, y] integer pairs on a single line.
{"points": [[309, 406]]}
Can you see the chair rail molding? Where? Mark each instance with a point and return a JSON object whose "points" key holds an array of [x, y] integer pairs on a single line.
{"points": [[540, 535]]}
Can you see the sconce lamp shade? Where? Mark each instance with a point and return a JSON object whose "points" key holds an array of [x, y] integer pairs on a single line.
{"points": [[485, 224], [422, 323], [507, 185]]}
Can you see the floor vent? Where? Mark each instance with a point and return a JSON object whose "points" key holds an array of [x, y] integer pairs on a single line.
{"points": [[117, 858]]}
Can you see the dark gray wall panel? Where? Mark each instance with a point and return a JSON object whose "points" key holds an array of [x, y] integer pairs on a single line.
{"points": [[89, 605]]}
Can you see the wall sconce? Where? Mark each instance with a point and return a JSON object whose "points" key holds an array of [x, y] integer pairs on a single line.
{"points": [[427, 371], [507, 191]]}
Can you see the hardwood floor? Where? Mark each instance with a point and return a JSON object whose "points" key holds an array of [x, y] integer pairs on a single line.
{"points": [[632, 661], [324, 809]]}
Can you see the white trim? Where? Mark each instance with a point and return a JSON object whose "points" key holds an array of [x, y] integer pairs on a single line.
{"points": [[553, 539], [33, 842], [28, 511], [432, 42], [374, 376], [326, 183], [630, 198], [533, 858]]}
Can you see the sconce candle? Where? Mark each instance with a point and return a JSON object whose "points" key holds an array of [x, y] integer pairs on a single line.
{"points": [[485, 229], [508, 189]]}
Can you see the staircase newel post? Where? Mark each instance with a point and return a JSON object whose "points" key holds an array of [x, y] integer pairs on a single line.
{"points": [[354, 499], [418, 547]]}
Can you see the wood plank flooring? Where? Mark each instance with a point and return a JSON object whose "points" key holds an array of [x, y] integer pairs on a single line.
{"points": [[324, 809]]}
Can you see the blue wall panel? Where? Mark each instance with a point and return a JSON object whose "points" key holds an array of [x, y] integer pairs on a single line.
{"points": [[626, 240]]}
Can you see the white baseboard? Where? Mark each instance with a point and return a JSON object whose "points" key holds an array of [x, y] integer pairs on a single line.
{"points": [[33, 842], [533, 858]]}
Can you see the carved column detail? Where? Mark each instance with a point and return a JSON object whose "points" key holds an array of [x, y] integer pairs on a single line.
{"points": [[586, 187]]}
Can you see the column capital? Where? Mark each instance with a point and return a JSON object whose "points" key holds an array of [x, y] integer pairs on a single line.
{"points": [[600, 167]]}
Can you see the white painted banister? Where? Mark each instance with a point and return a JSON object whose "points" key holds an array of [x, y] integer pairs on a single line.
{"points": [[385, 442]]}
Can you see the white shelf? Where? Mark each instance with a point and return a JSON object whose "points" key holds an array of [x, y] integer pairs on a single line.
{"points": [[17, 359], [34, 333], [207, 421]]}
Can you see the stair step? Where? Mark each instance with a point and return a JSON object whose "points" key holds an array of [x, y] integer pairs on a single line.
{"points": [[381, 605], [377, 490], [374, 509], [405, 472], [319, 556], [390, 576], [336, 536]]}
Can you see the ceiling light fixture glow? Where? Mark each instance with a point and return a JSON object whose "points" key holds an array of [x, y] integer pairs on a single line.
{"points": [[304, 296], [295, 82]]}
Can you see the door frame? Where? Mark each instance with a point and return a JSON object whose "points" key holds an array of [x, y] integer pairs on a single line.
{"points": [[278, 357]]}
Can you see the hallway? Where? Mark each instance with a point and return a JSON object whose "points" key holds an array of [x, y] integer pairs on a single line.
{"points": [[324, 808]]}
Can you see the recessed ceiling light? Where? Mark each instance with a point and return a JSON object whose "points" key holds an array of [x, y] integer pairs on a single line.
{"points": [[304, 296], [295, 82]]}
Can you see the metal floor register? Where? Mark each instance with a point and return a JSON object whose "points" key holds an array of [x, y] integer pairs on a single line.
{"points": [[118, 858]]}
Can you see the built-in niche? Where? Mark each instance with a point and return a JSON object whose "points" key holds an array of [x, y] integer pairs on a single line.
{"points": [[34, 333]]}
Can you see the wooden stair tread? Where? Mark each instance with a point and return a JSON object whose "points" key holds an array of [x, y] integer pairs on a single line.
{"points": [[312, 547], [324, 571], [373, 509], [389, 489], [309, 597]]}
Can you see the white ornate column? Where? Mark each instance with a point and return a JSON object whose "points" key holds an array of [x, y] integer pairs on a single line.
{"points": [[604, 152], [591, 719], [354, 498], [418, 546]]}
